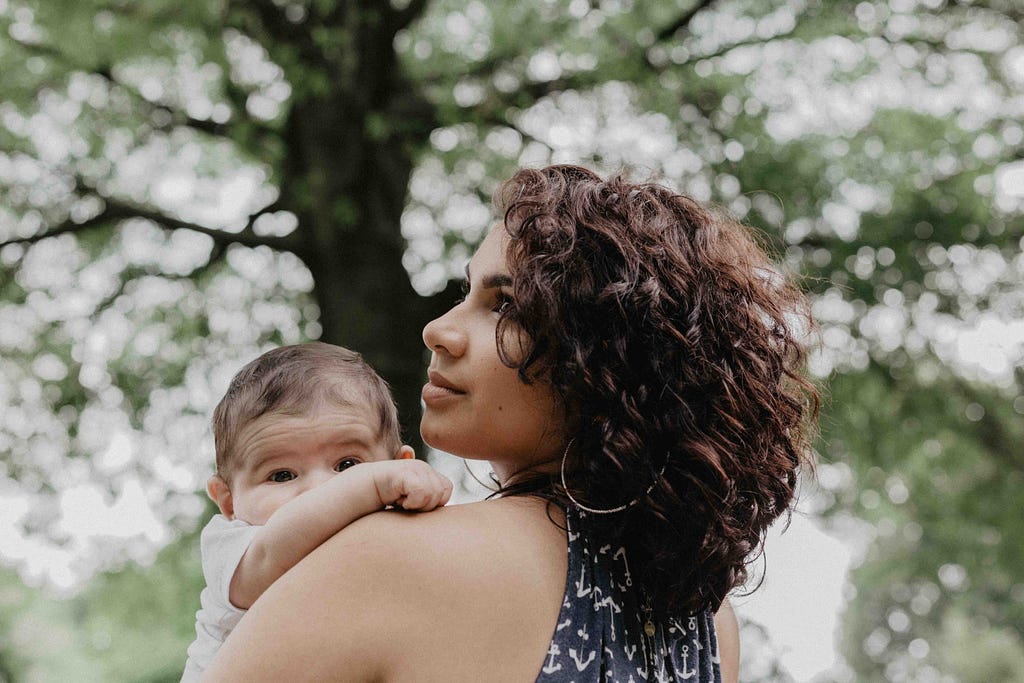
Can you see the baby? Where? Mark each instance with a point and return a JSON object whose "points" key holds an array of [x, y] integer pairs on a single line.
{"points": [[291, 421]]}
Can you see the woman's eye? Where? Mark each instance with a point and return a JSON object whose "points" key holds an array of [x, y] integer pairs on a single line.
{"points": [[282, 476], [501, 303], [345, 464]]}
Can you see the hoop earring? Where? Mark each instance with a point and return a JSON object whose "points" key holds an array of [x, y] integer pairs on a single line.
{"points": [[477, 480], [607, 511]]}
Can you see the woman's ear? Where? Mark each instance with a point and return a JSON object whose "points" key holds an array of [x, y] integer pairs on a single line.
{"points": [[219, 492]]}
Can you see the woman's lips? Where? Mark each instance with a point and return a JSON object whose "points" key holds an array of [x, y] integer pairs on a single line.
{"points": [[438, 388], [433, 393]]}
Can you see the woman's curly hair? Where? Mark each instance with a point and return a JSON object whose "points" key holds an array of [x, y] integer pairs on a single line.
{"points": [[678, 350]]}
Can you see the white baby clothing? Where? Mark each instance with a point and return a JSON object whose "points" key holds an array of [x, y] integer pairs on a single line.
{"points": [[222, 544]]}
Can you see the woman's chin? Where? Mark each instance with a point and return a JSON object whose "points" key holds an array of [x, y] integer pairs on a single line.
{"points": [[437, 435], [447, 439]]}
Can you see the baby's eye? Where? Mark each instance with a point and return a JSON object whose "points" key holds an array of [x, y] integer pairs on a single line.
{"points": [[345, 464], [282, 476]]}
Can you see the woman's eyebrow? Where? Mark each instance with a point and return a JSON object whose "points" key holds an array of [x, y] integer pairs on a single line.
{"points": [[499, 280], [491, 281]]}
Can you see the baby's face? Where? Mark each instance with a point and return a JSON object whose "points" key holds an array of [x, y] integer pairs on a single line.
{"points": [[282, 456]]}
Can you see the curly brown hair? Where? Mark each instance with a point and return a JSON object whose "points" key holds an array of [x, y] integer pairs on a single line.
{"points": [[677, 348]]}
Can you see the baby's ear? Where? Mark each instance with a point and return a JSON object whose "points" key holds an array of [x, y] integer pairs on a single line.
{"points": [[219, 492], [405, 453]]}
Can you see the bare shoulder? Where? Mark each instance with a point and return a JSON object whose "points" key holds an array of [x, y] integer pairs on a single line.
{"points": [[467, 527], [467, 553], [492, 533], [728, 635], [396, 596]]}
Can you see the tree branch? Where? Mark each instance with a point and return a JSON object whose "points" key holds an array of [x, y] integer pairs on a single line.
{"points": [[109, 214], [116, 210], [222, 130], [246, 237], [133, 273], [399, 19], [725, 49], [480, 69], [682, 21], [178, 117], [538, 89]]}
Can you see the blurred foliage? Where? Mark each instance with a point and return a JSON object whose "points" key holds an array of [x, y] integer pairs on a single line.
{"points": [[183, 184], [130, 624]]}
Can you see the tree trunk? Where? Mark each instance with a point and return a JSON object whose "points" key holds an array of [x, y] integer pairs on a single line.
{"points": [[349, 156]]}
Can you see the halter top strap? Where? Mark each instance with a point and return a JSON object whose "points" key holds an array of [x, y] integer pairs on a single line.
{"points": [[604, 633]]}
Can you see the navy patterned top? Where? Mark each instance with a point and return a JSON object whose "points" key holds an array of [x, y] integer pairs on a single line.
{"points": [[603, 634]]}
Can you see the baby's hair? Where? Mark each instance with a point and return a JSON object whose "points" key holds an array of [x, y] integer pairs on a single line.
{"points": [[297, 380]]}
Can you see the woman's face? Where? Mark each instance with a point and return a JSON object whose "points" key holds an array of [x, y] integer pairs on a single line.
{"points": [[477, 407]]}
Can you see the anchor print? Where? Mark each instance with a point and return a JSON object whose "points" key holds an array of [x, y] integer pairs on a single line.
{"points": [[551, 667], [580, 591], [621, 552], [685, 652], [581, 664], [613, 609]]}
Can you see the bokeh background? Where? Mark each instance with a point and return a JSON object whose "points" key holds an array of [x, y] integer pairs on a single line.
{"points": [[184, 183]]}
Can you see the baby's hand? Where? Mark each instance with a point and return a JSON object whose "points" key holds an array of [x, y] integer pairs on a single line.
{"points": [[411, 485]]}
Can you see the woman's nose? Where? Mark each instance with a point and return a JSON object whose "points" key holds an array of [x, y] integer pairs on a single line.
{"points": [[445, 334]]}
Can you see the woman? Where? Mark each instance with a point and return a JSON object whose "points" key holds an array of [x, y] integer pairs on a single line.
{"points": [[629, 363]]}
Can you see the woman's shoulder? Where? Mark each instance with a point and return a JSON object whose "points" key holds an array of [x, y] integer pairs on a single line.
{"points": [[440, 595], [468, 555], [500, 532], [487, 576]]}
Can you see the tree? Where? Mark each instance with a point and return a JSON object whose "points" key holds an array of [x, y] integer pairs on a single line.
{"points": [[185, 183]]}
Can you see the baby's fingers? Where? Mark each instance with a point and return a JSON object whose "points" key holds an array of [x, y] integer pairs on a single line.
{"points": [[427, 493], [440, 490]]}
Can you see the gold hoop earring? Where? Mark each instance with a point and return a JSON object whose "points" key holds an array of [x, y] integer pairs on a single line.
{"points": [[607, 511]]}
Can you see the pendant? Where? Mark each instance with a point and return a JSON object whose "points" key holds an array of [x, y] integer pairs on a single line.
{"points": [[649, 628]]}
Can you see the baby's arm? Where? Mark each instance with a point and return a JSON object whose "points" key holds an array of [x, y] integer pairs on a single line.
{"points": [[303, 523]]}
